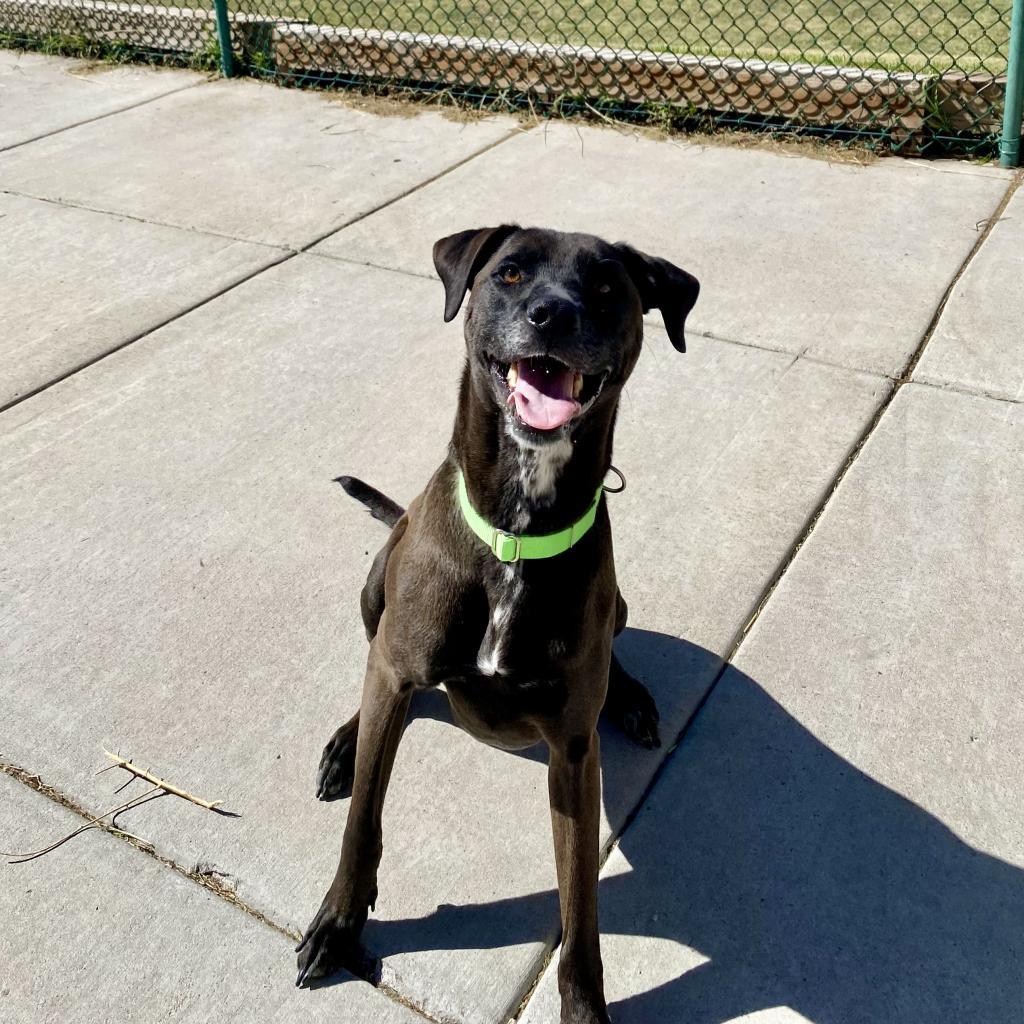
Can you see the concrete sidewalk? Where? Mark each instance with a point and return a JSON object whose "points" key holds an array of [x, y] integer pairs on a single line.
{"points": [[209, 290]]}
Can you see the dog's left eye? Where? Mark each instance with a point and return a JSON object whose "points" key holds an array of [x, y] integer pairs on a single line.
{"points": [[511, 274], [604, 288]]}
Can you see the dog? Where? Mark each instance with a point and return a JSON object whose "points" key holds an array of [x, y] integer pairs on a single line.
{"points": [[499, 581]]}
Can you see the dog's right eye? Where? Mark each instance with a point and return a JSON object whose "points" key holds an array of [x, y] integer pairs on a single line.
{"points": [[511, 274]]}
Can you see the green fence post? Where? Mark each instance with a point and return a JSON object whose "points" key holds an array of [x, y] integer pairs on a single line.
{"points": [[1009, 148], [227, 64]]}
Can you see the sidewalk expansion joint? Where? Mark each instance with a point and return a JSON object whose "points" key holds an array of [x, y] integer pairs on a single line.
{"points": [[413, 189], [895, 385], [203, 875], [291, 250], [138, 336], [208, 232], [967, 392], [100, 117], [353, 261], [990, 223], [287, 253], [207, 878], [652, 321]]}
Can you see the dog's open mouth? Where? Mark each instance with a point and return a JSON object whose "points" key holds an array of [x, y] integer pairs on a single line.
{"points": [[545, 392]]}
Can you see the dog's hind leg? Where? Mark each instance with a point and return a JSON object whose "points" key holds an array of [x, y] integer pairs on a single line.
{"points": [[371, 600], [332, 939], [629, 705], [338, 760]]}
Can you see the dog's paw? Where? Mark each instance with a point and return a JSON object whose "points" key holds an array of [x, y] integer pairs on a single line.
{"points": [[331, 943], [337, 764], [641, 725], [585, 1017], [580, 1007], [630, 707]]}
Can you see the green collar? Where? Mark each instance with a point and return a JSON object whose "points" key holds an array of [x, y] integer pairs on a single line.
{"points": [[510, 547]]}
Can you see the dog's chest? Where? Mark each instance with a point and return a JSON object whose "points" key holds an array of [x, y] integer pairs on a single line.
{"points": [[526, 640], [506, 609], [513, 620]]}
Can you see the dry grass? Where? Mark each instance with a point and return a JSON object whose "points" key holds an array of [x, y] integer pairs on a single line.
{"points": [[412, 103]]}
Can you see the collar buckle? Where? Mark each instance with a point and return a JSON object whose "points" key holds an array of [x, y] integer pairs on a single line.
{"points": [[507, 547]]}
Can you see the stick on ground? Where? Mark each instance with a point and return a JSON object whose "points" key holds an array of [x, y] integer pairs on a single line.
{"points": [[210, 805], [160, 787]]}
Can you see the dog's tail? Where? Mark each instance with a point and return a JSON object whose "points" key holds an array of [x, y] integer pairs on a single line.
{"points": [[380, 505]]}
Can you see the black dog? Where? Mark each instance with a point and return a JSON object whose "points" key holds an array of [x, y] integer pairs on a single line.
{"points": [[499, 580]]}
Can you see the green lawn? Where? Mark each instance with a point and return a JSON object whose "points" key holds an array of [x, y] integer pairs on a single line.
{"points": [[918, 35]]}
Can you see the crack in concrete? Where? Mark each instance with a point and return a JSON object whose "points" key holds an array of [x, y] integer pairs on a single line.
{"points": [[415, 188], [963, 389], [287, 253], [205, 874], [990, 223], [652, 321], [202, 874], [291, 250], [100, 117], [138, 336], [708, 335], [207, 232]]}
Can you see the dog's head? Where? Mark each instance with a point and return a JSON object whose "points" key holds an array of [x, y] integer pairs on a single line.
{"points": [[553, 327]]}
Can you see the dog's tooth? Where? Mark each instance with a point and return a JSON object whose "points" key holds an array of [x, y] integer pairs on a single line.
{"points": [[577, 385], [513, 375]]}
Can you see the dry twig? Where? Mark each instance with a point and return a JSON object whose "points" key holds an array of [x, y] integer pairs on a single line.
{"points": [[210, 805], [160, 787]]}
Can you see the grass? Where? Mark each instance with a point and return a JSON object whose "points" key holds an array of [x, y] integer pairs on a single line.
{"points": [[893, 35], [110, 52], [913, 35]]}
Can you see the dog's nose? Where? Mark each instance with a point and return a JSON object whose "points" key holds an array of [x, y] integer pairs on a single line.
{"points": [[552, 314]]}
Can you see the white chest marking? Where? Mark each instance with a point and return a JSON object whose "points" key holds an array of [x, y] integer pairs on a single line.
{"points": [[492, 647], [539, 469]]}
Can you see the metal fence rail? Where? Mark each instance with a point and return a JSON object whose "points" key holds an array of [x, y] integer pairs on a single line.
{"points": [[914, 76]]}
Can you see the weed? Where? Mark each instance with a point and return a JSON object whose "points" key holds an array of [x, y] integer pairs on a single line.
{"points": [[112, 52]]}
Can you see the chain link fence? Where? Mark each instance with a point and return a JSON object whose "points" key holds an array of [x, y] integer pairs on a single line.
{"points": [[912, 76], [110, 31]]}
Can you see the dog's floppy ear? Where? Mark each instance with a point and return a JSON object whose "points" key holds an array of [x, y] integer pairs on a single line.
{"points": [[458, 257], [663, 285]]}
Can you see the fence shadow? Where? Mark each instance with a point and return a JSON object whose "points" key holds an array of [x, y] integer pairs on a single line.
{"points": [[802, 881]]}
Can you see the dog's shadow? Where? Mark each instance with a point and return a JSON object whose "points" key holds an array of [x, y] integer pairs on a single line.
{"points": [[798, 880]]}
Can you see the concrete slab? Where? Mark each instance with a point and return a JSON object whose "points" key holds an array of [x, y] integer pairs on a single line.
{"points": [[839, 832], [78, 284], [180, 578], [245, 159], [97, 931], [41, 94], [977, 343], [759, 229]]}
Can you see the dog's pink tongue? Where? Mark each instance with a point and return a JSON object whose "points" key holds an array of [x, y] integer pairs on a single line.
{"points": [[543, 400]]}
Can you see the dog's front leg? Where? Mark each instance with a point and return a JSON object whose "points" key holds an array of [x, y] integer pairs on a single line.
{"points": [[574, 788], [332, 939]]}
